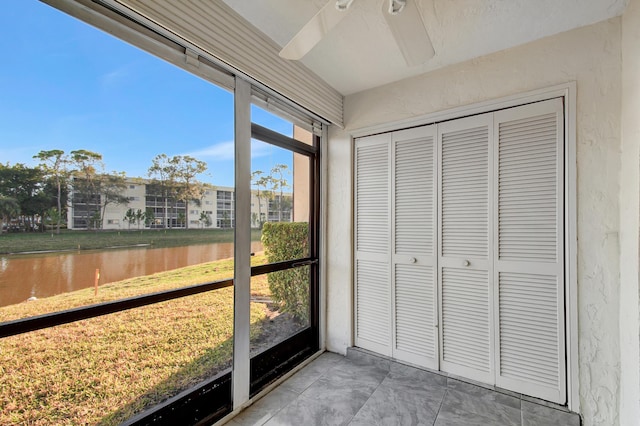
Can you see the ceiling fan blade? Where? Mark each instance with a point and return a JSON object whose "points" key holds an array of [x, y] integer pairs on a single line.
{"points": [[410, 34], [314, 30]]}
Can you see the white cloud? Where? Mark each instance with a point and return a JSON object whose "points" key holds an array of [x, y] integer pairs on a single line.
{"points": [[224, 151], [115, 78]]}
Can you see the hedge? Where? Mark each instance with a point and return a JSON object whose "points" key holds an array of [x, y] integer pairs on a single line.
{"points": [[290, 288]]}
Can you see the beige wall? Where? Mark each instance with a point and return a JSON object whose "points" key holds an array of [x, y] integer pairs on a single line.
{"points": [[591, 57]]}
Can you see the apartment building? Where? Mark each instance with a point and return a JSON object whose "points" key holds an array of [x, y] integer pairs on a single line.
{"points": [[216, 209]]}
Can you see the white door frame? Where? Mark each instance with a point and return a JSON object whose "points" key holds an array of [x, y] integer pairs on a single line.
{"points": [[567, 92]]}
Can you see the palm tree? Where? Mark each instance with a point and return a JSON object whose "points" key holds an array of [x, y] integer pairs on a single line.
{"points": [[140, 216], [259, 182], [9, 207], [54, 163], [279, 183]]}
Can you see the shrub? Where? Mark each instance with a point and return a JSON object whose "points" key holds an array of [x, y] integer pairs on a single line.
{"points": [[289, 289]]}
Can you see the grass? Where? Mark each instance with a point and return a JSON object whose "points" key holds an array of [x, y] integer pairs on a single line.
{"points": [[90, 240], [104, 370]]}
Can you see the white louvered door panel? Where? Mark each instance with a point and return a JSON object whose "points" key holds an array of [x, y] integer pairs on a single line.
{"points": [[465, 258], [415, 337], [529, 257], [373, 316]]}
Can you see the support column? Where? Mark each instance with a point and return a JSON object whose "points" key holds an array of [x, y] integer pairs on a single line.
{"points": [[242, 248]]}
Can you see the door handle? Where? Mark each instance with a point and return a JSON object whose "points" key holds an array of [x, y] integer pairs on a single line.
{"points": [[413, 260], [466, 263]]}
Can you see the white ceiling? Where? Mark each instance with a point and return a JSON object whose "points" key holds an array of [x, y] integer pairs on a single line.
{"points": [[360, 53]]}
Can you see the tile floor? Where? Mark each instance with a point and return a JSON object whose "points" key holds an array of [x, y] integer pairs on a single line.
{"points": [[363, 389]]}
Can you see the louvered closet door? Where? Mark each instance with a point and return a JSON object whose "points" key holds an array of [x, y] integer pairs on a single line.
{"points": [[529, 251], [373, 294], [465, 247], [415, 337]]}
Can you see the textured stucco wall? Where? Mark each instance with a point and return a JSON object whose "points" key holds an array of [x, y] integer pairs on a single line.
{"points": [[629, 218], [591, 56]]}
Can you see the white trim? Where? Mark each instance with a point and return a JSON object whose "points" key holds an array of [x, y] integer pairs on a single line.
{"points": [[242, 245], [566, 91], [352, 241], [571, 249], [322, 291]]}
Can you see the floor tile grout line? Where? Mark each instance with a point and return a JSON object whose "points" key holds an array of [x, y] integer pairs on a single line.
{"points": [[299, 394], [323, 374], [280, 409], [369, 397], [440, 406]]}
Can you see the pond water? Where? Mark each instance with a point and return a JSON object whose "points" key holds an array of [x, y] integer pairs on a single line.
{"points": [[44, 275]]}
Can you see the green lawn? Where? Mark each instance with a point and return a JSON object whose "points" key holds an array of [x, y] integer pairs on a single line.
{"points": [[104, 370], [89, 240]]}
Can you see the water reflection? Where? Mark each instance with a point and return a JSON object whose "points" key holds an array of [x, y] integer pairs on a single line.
{"points": [[44, 275]]}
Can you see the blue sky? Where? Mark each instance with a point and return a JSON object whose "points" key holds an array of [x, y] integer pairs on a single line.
{"points": [[66, 85]]}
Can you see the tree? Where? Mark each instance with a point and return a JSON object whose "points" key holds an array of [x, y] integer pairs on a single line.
{"points": [[279, 183], [140, 217], [95, 221], [163, 172], [189, 189], [112, 187], [52, 217], [26, 185], [54, 164], [9, 208], [129, 217], [94, 188], [149, 218], [205, 219], [86, 191], [262, 184]]}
